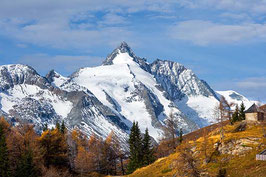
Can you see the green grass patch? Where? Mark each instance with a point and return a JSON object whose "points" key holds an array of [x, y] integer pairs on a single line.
{"points": [[166, 170]]}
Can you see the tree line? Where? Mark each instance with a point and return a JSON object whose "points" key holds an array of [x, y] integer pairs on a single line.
{"points": [[59, 152]]}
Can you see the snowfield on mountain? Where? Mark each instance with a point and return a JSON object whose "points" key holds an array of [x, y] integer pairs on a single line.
{"points": [[98, 100]]}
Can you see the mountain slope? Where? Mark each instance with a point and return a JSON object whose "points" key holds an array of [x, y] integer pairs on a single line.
{"points": [[131, 91], [237, 155], [147, 93], [236, 98], [98, 100], [28, 97], [193, 96]]}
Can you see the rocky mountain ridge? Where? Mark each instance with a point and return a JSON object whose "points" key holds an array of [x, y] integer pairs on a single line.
{"points": [[98, 100]]}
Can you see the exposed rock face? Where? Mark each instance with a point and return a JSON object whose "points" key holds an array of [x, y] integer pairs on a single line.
{"points": [[241, 127], [124, 48], [34, 112], [179, 81], [11, 75], [238, 147], [125, 80], [27, 97], [109, 97], [55, 78], [51, 75], [153, 105]]}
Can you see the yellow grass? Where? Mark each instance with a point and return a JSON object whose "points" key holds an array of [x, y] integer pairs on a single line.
{"points": [[242, 165]]}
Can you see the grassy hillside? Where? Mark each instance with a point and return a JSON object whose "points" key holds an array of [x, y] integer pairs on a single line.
{"points": [[236, 155]]}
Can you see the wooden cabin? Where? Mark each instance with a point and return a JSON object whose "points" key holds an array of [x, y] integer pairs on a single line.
{"points": [[263, 108], [261, 156], [255, 113]]}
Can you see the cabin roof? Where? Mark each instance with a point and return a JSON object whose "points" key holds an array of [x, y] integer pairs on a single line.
{"points": [[254, 108], [263, 152]]}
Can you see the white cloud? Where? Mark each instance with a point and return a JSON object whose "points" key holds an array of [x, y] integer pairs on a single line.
{"points": [[236, 16], [248, 6], [164, 17], [206, 32], [49, 23], [254, 87], [20, 45], [113, 19], [253, 83], [60, 35], [37, 8]]}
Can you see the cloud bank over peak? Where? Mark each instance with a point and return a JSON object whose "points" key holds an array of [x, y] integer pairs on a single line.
{"points": [[201, 32]]}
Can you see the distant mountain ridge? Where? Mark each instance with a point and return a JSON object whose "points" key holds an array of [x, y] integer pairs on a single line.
{"points": [[98, 100], [236, 98]]}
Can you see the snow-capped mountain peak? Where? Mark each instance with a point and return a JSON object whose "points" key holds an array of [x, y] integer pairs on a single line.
{"points": [[135, 89], [11, 75], [178, 80], [236, 98], [98, 100], [127, 56], [125, 48], [121, 49], [55, 78]]}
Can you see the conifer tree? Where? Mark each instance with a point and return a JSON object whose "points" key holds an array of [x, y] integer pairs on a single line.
{"points": [[58, 126], [235, 116], [147, 149], [26, 167], [242, 112], [135, 147], [63, 127], [4, 165], [181, 135]]}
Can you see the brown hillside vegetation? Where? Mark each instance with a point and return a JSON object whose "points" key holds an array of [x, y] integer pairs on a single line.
{"points": [[57, 152], [164, 148], [206, 156], [200, 132]]}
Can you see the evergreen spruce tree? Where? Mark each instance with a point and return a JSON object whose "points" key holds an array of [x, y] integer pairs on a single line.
{"points": [[26, 167], [132, 163], [138, 143], [63, 128], [58, 126], [147, 149], [4, 162], [181, 135], [242, 112], [235, 116], [135, 147]]}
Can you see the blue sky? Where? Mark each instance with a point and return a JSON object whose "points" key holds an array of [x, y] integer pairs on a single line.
{"points": [[222, 41]]}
